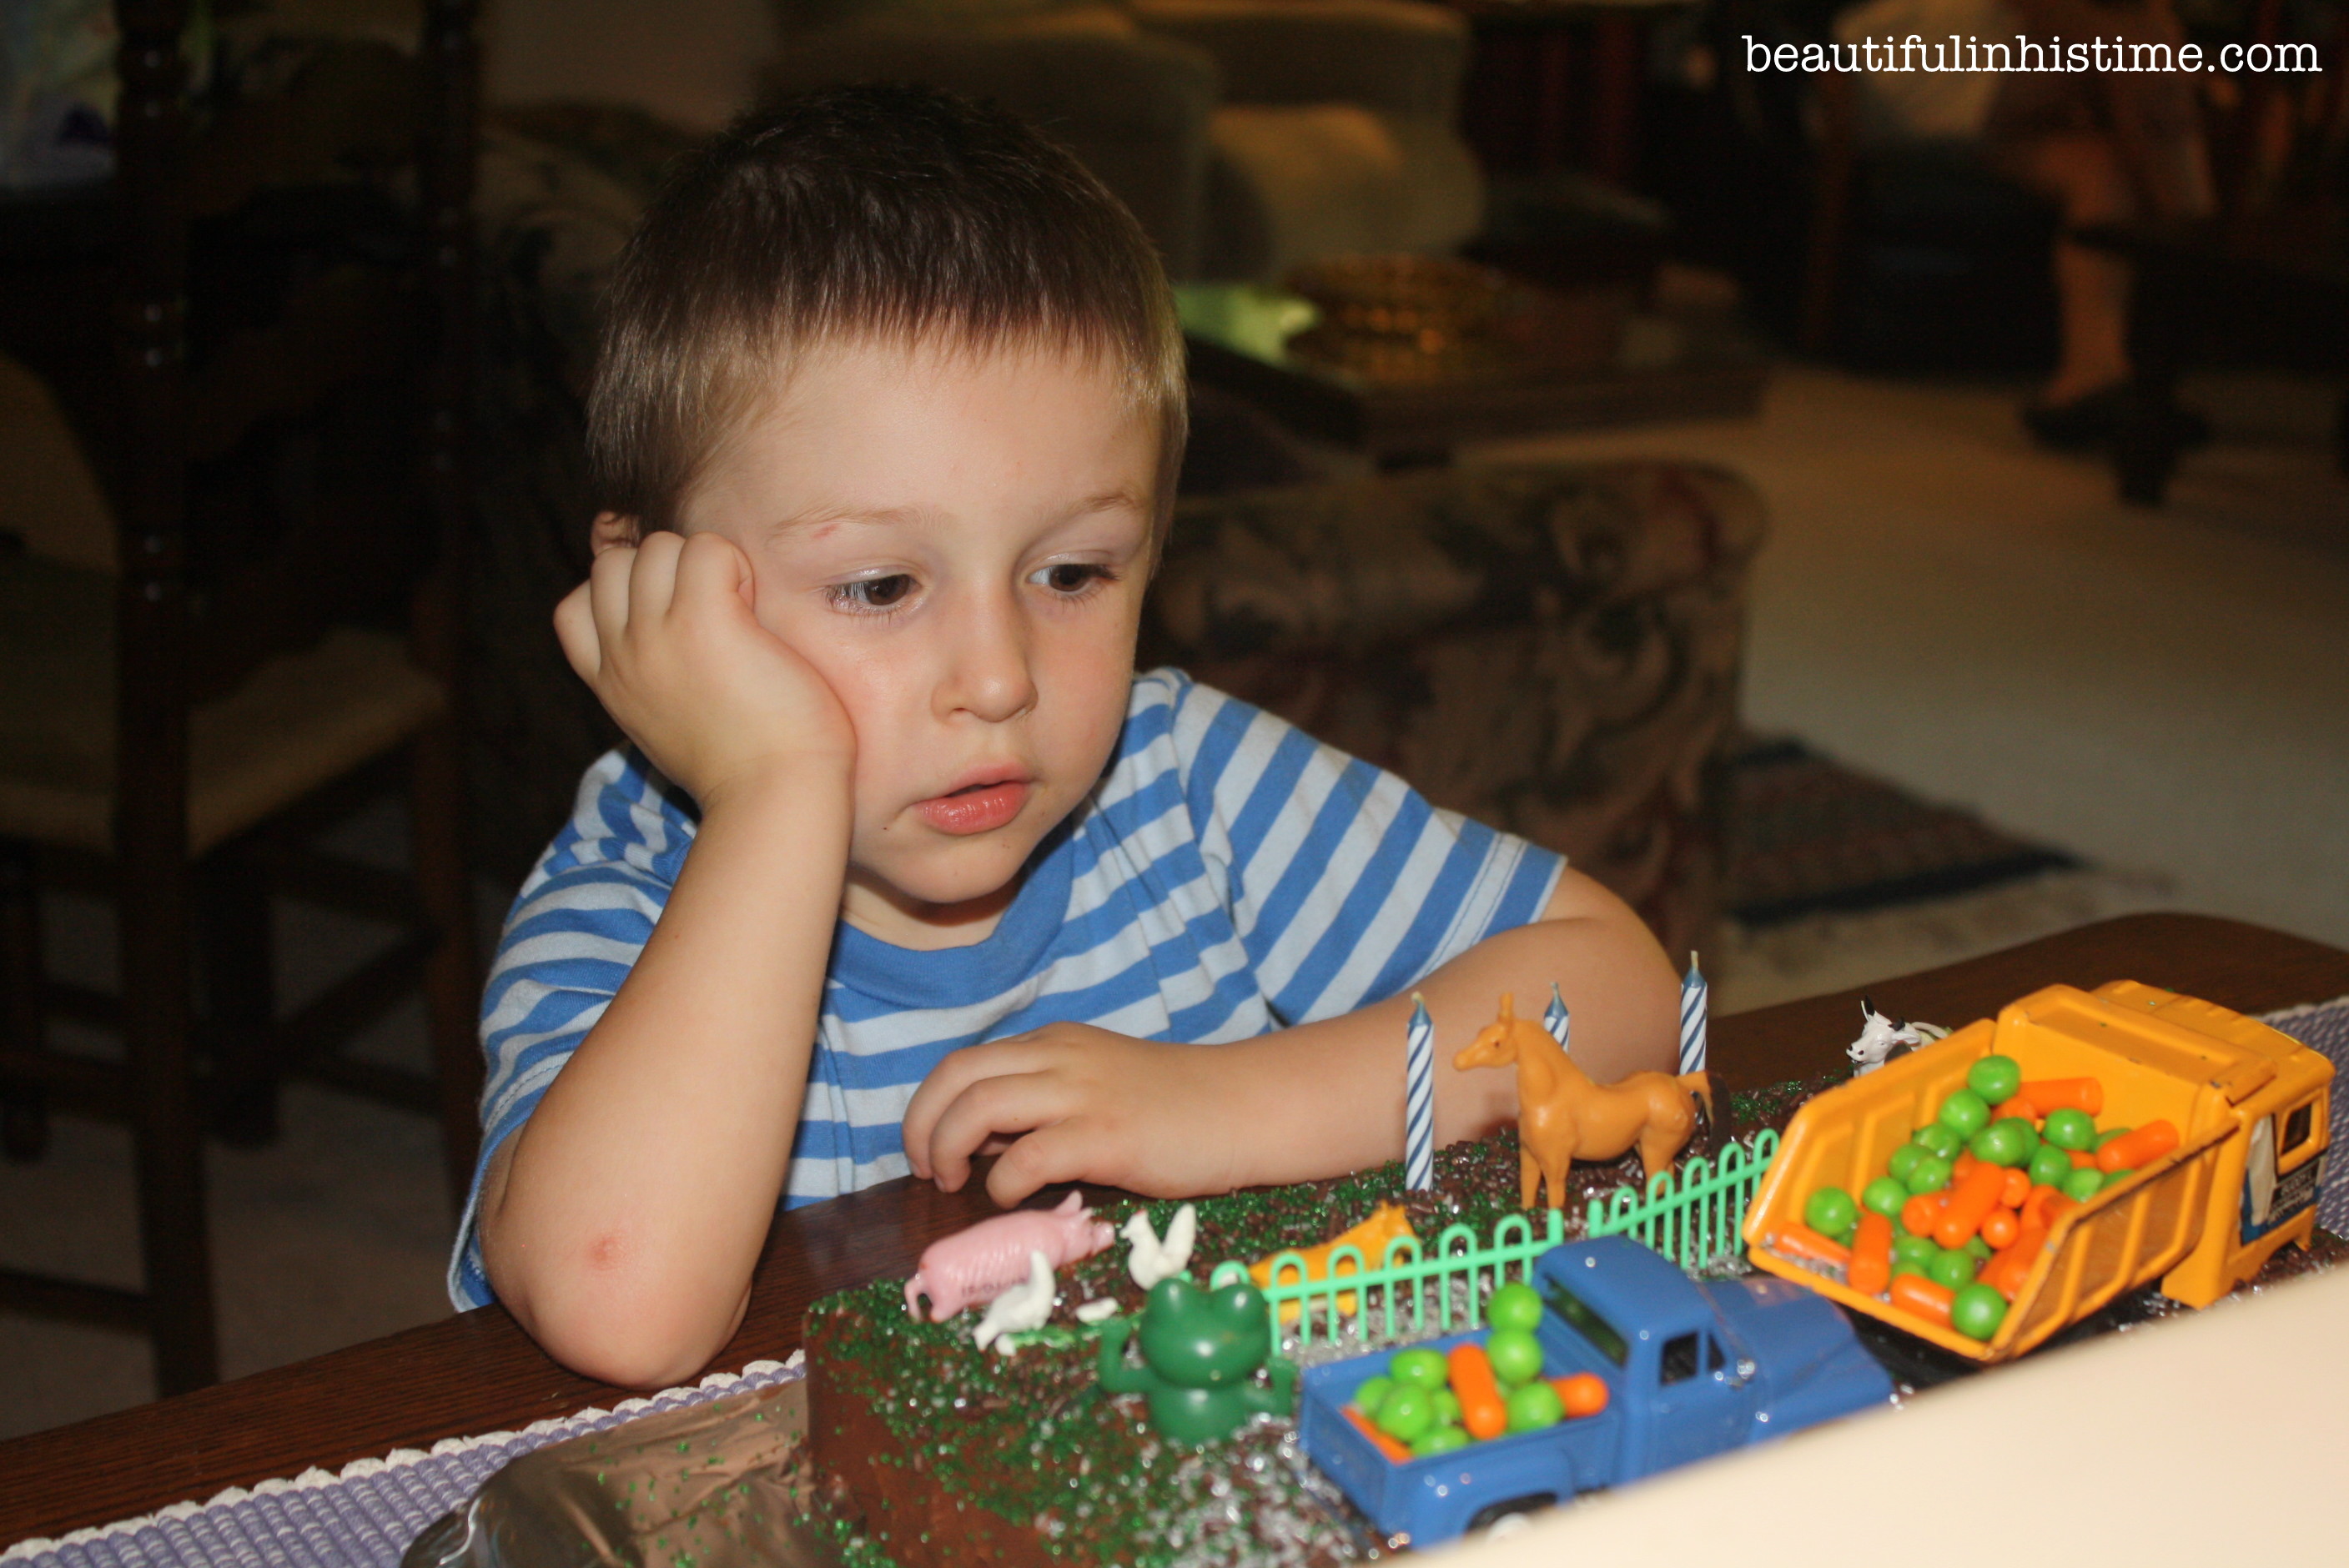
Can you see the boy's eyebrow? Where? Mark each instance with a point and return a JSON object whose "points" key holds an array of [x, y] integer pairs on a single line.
{"points": [[816, 517], [823, 516]]}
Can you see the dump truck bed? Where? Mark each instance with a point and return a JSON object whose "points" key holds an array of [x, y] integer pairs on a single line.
{"points": [[2211, 1072]]}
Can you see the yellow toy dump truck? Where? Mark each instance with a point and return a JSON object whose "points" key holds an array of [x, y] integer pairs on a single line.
{"points": [[2250, 1106]]}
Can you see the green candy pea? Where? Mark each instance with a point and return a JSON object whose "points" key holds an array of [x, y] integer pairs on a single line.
{"points": [[1904, 1159], [1423, 1370], [1440, 1439], [2083, 1184], [2069, 1129], [1995, 1078], [1929, 1174], [1515, 1356], [1534, 1406], [2050, 1166], [1935, 1137], [1964, 1113], [1913, 1253], [1831, 1213], [2114, 1178], [1447, 1407], [2023, 1130], [1999, 1145], [1977, 1249], [1977, 1310], [1371, 1394], [1405, 1413], [1885, 1195], [1514, 1305], [1952, 1270]]}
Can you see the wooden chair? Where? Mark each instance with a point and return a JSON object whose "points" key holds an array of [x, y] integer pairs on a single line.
{"points": [[259, 336]]}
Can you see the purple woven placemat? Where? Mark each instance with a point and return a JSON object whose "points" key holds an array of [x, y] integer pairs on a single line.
{"points": [[365, 1517]]}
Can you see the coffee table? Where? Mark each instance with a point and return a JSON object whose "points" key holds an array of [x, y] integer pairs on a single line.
{"points": [[477, 1372], [1665, 368]]}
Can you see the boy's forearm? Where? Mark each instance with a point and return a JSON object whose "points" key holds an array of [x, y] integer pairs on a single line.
{"points": [[1329, 1094], [635, 1201]]}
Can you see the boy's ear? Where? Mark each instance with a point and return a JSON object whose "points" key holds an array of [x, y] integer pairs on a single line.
{"points": [[610, 528]]}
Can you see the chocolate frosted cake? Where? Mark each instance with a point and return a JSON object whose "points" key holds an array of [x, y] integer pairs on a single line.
{"points": [[935, 1453]]}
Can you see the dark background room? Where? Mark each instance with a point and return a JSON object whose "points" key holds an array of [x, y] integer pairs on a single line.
{"points": [[1946, 480]]}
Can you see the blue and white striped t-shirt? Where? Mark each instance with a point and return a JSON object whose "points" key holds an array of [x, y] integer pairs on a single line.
{"points": [[1229, 875]]}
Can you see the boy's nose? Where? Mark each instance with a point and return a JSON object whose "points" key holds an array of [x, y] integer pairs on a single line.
{"points": [[987, 671]]}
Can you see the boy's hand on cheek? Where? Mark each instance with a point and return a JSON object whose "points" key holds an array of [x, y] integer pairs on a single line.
{"points": [[664, 634], [1070, 1102]]}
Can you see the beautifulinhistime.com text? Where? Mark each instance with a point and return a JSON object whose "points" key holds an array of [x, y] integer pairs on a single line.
{"points": [[1970, 54]]}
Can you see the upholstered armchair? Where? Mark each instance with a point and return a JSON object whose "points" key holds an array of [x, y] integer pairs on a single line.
{"points": [[1247, 135], [1553, 649]]}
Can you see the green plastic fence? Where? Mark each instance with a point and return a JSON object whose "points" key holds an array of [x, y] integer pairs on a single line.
{"points": [[1693, 1219]]}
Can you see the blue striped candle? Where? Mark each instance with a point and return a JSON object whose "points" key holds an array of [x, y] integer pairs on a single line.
{"points": [[1418, 1100], [1692, 1009], [1555, 1020]]}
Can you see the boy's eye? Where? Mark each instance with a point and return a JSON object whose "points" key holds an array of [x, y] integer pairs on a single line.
{"points": [[878, 593], [1072, 576]]}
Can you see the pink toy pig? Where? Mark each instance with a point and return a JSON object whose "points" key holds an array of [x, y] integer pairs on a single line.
{"points": [[974, 1266]]}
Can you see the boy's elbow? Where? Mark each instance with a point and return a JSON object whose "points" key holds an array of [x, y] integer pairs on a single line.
{"points": [[622, 1354], [632, 1332]]}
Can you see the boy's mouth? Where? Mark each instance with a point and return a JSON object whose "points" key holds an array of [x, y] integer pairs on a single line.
{"points": [[979, 807]]}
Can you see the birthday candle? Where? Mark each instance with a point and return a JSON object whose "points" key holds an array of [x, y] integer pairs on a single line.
{"points": [[1555, 1020], [1692, 1010], [1419, 1100]]}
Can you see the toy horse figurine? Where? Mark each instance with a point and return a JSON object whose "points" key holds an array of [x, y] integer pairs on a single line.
{"points": [[1563, 1117]]}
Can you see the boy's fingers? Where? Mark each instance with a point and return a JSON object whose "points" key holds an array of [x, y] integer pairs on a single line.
{"points": [[956, 1072], [653, 583], [575, 628], [711, 567], [607, 592], [1013, 1104], [1060, 1152]]}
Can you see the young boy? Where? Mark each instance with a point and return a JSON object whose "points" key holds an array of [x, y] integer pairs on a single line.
{"points": [[904, 864]]}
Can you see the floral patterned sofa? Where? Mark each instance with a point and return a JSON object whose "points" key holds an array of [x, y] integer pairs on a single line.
{"points": [[1554, 650]]}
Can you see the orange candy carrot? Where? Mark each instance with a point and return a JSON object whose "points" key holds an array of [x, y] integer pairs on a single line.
{"points": [[2042, 1207], [1584, 1394], [1964, 1163], [2005, 1271], [2135, 1150], [1999, 1228], [1797, 1240], [1916, 1293], [2018, 1188], [1396, 1452], [1482, 1409], [2062, 1094], [2082, 1158], [1971, 1202], [1920, 1214], [2018, 1105], [1871, 1255]]}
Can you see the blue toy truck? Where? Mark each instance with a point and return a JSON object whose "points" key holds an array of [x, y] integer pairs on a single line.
{"points": [[1692, 1368]]}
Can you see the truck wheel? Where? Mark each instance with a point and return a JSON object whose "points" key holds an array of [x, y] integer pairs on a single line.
{"points": [[1508, 1518]]}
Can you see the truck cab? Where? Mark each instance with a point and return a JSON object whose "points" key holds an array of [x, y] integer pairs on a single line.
{"points": [[1692, 1368]]}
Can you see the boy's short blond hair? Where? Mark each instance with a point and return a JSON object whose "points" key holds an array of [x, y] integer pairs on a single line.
{"points": [[896, 213]]}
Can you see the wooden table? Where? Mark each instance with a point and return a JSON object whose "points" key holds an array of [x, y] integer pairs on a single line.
{"points": [[477, 1372], [1699, 370]]}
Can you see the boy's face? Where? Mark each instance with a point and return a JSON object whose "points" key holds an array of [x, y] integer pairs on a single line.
{"points": [[957, 541]]}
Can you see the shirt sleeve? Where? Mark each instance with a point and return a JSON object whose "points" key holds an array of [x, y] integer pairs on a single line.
{"points": [[1345, 885], [576, 929]]}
